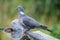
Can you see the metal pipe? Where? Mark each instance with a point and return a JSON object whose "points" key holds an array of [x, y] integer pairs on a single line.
{"points": [[40, 36], [1, 28]]}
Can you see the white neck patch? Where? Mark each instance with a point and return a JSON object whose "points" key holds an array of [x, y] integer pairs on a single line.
{"points": [[21, 13]]}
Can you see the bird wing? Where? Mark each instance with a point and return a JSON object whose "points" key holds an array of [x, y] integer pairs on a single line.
{"points": [[31, 23], [34, 24]]}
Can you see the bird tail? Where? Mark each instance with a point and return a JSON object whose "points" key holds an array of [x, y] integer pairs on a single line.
{"points": [[49, 30], [45, 28]]}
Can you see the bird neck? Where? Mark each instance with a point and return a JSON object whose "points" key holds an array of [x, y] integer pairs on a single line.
{"points": [[22, 14]]}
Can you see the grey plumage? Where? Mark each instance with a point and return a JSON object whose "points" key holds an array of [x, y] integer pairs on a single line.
{"points": [[29, 22]]}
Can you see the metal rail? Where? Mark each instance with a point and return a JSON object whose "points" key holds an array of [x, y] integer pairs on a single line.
{"points": [[1, 28], [37, 36]]}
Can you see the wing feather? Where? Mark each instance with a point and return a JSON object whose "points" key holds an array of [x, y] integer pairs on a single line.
{"points": [[31, 23]]}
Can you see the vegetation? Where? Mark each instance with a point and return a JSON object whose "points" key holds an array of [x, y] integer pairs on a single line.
{"points": [[47, 12]]}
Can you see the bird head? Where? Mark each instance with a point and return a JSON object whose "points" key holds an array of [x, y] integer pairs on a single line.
{"points": [[20, 8]]}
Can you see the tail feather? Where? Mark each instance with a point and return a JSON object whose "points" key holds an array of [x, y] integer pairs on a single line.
{"points": [[49, 30], [45, 28]]}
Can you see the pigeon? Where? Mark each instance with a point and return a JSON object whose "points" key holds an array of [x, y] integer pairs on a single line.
{"points": [[28, 22]]}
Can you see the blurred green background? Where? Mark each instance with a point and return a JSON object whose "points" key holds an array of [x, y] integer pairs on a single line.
{"points": [[47, 12]]}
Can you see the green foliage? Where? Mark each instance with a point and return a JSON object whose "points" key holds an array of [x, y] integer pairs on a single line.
{"points": [[56, 31]]}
